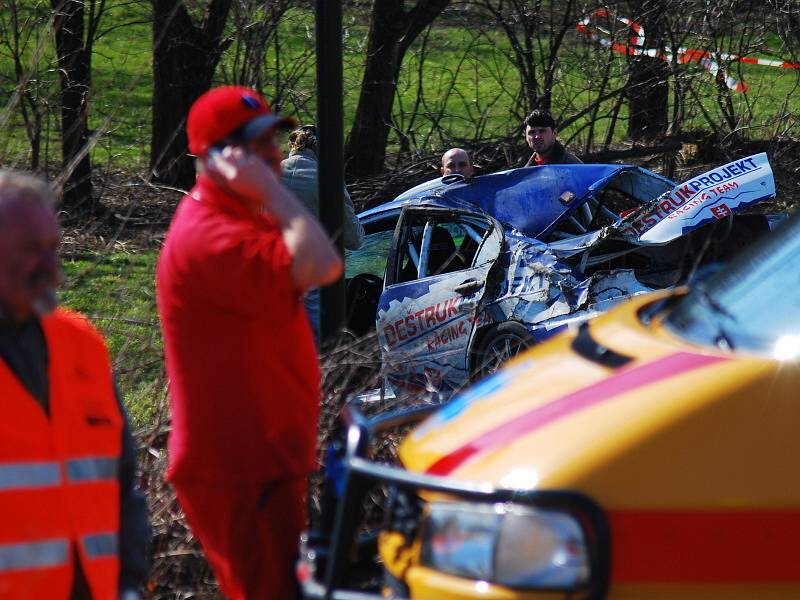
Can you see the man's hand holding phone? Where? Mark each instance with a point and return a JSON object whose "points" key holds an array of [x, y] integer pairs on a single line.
{"points": [[250, 176], [243, 173]]}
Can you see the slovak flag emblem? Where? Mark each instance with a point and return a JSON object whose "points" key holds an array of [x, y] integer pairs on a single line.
{"points": [[721, 211]]}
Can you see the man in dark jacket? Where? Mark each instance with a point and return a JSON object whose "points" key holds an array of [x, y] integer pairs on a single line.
{"points": [[540, 133]]}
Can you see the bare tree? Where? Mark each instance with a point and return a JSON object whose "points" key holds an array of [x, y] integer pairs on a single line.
{"points": [[648, 86], [188, 41], [786, 15], [447, 103], [255, 24], [544, 48], [265, 54], [722, 32], [75, 24], [392, 30], [536, 32], [23, 43], [677, 26]]}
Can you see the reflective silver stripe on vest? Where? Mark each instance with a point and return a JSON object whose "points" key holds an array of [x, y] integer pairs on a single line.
{"points": [[92, 469], [36, 555], [100, 545], [20, 476]]}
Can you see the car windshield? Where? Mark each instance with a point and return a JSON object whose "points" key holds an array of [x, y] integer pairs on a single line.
{"points": [[371, 256], [753, 304]]}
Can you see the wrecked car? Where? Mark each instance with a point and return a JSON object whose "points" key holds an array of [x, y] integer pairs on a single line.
{"points": [[649, 454], [458, 275]]}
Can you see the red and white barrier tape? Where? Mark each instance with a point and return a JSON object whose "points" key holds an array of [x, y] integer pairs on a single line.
{"points": [[635, 47]]}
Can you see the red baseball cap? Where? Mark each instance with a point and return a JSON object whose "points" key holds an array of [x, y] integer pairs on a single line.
{"points": [[230, 112]]}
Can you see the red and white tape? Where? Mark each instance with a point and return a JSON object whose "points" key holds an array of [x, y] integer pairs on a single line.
{"points": [[636, 43]]}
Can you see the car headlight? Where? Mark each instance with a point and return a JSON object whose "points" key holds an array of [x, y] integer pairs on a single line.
{"points": [[508, 544]]}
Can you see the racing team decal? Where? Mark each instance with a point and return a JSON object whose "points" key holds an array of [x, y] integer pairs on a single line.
{"points": [[425, 320], [712, 195], [423, 329]]}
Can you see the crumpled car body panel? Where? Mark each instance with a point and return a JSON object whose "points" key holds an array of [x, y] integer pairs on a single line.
{"points": [[549, 247]]}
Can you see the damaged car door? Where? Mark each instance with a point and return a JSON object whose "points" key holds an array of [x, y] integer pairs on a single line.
{"points": [[436, 278]]}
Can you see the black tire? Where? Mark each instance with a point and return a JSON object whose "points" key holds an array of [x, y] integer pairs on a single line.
{"points": [[501, 343]]}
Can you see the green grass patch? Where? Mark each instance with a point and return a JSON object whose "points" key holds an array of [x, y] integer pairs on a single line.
{"points": [[123, 81], [116, 291]]}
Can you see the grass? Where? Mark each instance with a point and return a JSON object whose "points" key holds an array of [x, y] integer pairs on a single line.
{"points": [[116, 290], [122, 69]]}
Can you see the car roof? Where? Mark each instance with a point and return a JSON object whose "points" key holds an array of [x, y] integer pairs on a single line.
{"points": [[528, 198]]}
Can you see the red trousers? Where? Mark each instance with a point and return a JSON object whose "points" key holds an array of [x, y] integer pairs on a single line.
{"points": [[249, 534]]}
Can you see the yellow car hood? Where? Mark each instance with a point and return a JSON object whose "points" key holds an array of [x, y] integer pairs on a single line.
{"points": [[679, 425]]}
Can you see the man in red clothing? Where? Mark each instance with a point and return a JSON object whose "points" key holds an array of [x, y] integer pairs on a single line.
{"points": [[244, 380]]}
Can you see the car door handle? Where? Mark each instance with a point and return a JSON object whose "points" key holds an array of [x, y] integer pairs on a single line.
{"points": [[469, 286]]}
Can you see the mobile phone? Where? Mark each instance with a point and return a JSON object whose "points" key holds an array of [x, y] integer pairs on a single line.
{"points": [[215, 150]]}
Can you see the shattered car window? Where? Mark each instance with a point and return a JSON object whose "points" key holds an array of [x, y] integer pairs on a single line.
{"points": [[435, 245], [640, 185], [624, 193], [370, 258], [364, 273]]}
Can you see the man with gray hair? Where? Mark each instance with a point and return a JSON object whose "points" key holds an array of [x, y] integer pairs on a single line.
{"points": [[74, 524]]}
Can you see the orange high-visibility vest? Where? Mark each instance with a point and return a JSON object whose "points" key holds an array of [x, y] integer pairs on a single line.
{"points": [[59, 488]]}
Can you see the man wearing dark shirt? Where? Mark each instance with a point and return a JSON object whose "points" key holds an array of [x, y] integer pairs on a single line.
{"points": [[540, 134], [75, 526]]}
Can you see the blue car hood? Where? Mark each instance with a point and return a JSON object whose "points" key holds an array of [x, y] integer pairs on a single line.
{"points": [[528, 199]]}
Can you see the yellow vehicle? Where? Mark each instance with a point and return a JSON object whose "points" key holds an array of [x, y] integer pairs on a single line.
{"points": [[651, 454]]}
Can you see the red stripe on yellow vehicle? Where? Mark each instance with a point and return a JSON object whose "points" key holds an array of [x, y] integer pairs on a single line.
{"points": [[626, 380], [705, 546]]}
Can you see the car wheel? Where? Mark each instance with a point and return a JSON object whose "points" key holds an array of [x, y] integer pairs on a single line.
{"points": [[498, 346]]}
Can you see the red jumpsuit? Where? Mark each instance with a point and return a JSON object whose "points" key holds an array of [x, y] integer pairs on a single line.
{"points": [[244, 389]]}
